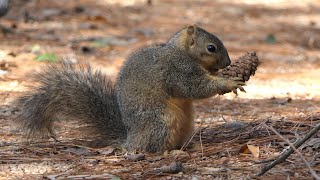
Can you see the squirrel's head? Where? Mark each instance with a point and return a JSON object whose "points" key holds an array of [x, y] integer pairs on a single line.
{"points": [[206, 47]]}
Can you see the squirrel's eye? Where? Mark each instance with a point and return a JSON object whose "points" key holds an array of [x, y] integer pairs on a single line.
{"points": [[211, 48]]}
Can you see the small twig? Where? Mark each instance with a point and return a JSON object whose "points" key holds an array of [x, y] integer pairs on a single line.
{"points": [[185, 144], [265, 161], [293, 148], [224, 119], [201, 143], [295, 132]]}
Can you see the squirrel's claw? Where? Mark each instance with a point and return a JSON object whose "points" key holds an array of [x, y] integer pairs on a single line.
{"points": [[240, 83], [235, 91], [242, 89]]}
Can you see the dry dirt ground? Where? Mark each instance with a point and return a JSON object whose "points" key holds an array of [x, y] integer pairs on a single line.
{"points": [[284, 93]]}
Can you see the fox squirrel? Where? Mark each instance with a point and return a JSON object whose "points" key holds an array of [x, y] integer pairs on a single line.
{"points": [[149, 108]]}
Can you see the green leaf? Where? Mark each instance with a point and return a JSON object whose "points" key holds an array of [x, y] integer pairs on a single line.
{"points": [[100, 43], [271, 39], [115, 178], [47, 57]]}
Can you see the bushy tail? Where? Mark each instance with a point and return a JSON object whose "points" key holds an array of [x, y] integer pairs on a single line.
{"points": [[74, 91]]}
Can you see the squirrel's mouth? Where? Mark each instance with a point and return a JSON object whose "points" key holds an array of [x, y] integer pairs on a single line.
{"points": [[213, 70]]}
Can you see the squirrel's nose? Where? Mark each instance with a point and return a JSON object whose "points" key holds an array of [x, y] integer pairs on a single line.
{"points": [[227, 61]]}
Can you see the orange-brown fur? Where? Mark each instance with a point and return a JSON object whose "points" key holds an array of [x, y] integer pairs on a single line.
{"points": [[179, 116]]}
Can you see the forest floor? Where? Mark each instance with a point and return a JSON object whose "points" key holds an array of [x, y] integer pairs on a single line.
{"points": [[284, 94]]}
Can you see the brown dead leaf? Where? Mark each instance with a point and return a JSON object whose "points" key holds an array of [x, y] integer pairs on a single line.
{"points": [[314, 142], [179, 152], [250, 149], [174, 167], [79, 150], [106, 151], [135, 157]]}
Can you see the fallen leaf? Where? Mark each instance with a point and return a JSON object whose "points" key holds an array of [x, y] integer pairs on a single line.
{"points": [[106, 151], [178, 152], [314, 142], [174, 167], [250, 149], [78, 150], [135, 157]]}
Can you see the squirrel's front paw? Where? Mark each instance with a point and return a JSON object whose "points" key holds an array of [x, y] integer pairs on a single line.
{"points": [[233, 84]]}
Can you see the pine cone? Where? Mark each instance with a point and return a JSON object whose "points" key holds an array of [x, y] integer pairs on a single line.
{"points": [[243, 67]]}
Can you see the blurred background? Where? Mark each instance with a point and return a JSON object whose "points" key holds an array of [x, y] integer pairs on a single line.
{"points": [[285, 34]]}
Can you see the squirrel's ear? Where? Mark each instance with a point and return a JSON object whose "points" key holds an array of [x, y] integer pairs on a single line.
{"points": [[191, 31]]}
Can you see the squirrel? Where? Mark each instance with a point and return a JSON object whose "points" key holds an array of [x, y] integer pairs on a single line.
{"points": [[149, 107]]}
